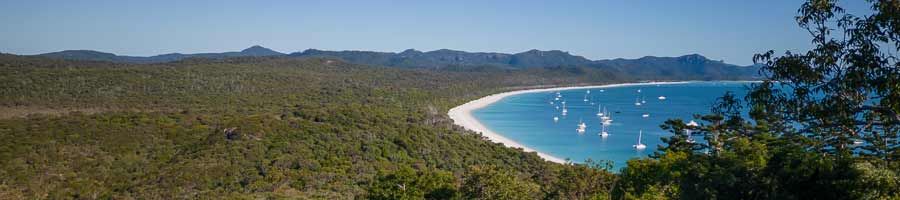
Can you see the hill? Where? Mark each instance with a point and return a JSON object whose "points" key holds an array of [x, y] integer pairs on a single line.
{"points": [[255, 127], [90, 55], [695, 66]]}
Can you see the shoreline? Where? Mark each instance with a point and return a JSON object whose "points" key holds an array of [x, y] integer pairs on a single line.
{"points": [[462, 114]]}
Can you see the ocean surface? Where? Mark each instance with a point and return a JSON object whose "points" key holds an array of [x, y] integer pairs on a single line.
{"points": [[528, 118]]}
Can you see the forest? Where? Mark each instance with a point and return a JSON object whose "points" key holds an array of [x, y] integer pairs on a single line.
{"points": [[323, 128]]}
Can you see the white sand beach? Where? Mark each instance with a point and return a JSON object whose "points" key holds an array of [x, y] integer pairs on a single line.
{"points": [[462, 115]]}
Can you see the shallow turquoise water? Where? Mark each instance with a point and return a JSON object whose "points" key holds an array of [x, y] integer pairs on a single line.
{"points": [[528, 118]]}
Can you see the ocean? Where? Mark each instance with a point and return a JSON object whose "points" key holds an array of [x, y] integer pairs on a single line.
{"points": [[529, 118]]}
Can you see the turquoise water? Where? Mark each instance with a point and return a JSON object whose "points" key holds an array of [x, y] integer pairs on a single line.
{"points": [[528, 118]]}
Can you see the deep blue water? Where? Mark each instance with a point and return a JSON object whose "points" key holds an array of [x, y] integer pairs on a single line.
{"points": [[528, 118]]}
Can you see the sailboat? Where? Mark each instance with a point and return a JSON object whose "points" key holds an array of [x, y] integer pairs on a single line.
{"points": [[555, 119], [637, 102], [691, 125], [639, 145], [642, 100], [599, 112], [662, 98], [603, 132], [564, 111], [581, 126]]}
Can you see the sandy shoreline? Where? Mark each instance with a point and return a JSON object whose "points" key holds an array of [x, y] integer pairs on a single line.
{"points": [[462, 115]]}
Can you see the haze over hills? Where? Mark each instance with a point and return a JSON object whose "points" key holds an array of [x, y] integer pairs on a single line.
{"points": [[688, 65]]}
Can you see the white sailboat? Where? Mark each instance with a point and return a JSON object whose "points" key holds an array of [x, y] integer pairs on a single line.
{"points": [[599, 111], [607, 120], [565, 111], [604, 131], [639, 145], [637, 102], [642, 100], [690, 126], [662, 98], [581, 127]]}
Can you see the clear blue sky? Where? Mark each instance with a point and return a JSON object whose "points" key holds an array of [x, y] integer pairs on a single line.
{"points": [[597, 29]]}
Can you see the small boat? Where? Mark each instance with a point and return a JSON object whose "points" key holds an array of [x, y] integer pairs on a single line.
{"points": [[637, 102], [645, 115], [599, 111], [690, 126], [639, 90], [588, 91], [693, 123], [565, 111], [555, 119], [581, 127], [642, 100], [603, 132], [639, 145], [662, 97]]}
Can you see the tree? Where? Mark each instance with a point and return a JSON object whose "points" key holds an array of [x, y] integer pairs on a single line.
{"points": [[406, 183], [821, 125], [494, 183]]}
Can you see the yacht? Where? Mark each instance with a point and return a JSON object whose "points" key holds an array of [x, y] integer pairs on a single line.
{"points": [[599, 111], [581, 127], [604, 132], [639, 145]]}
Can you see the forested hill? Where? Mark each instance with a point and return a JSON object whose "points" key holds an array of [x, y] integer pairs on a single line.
{"points": [[91, 55], [257, 127], [693, 65]]}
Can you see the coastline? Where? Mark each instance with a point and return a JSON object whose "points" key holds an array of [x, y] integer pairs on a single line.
{"points": [[462, 114]]}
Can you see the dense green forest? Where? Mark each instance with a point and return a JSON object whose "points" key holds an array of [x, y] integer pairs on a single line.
{"points": [[823, 125], [256, 127]]}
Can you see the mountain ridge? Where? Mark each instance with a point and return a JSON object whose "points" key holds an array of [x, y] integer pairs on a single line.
{"points": [[649, 66]]}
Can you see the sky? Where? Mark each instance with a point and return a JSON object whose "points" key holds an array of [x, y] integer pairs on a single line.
{"points": [[597, 29]]}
